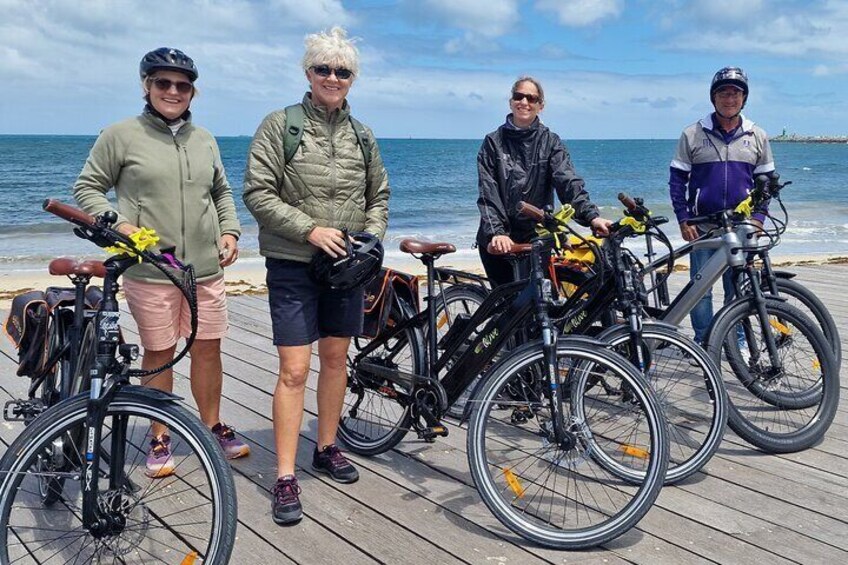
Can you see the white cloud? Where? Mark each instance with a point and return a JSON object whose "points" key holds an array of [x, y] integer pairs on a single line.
{"points": [[486, 18], [580, 13], [314, 13]]}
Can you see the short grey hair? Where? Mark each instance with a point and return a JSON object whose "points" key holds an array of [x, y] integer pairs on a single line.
{"points": [[533, 81], [331, 48]]}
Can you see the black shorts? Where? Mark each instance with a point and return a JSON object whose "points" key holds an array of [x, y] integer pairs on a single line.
{"points": [[302, 312]]}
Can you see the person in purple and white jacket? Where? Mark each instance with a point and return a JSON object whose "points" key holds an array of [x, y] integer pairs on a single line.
{"points": [[713, 169]]}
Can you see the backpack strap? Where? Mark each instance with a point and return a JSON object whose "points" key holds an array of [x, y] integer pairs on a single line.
{"points": [[295, 117], [294, 130], [363, 139]]}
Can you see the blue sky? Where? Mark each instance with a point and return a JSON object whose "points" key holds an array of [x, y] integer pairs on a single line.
{"points": [[434, 68]]}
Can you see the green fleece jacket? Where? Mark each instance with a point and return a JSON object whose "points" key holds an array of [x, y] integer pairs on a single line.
{"points": [[174, 184], [325, 184]]}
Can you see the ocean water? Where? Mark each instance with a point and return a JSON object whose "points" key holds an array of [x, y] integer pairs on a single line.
{"points": [[434, 191]]}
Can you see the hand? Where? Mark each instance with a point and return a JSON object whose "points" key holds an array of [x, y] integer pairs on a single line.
{"points": [[127, 229], [689, 233], [227, 250], [601, 226], [330, 240], [502, 243]]}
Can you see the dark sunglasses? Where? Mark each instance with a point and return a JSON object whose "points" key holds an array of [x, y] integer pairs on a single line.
{"points": [[165, 85], [531, 98], [326, 70]]}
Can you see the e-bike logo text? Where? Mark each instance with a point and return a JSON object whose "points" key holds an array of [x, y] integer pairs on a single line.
{"points": [[487, 341]]}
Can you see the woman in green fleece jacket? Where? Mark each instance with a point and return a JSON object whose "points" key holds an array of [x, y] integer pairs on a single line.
{"points": [[301, 202], [168, 176]]}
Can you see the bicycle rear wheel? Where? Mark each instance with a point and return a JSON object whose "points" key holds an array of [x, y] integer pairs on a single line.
{"points": [[777, 409], [559, 494], [376, 412], [191, 513], [689, 388]]}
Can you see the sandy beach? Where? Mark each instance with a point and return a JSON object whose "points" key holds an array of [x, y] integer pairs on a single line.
{"points": [[247, 276]]}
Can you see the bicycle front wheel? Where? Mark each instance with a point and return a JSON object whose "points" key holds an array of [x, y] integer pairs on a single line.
{"points": [[556, 492], [188, 515], [778, 408], [689, 388]]}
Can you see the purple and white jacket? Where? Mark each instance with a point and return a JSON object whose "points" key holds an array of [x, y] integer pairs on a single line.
{"points": [[709, 174]]}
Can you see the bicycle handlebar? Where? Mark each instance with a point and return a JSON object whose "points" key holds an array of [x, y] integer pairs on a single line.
{"points": [[530, 211], [69, 213], [628, 202]]}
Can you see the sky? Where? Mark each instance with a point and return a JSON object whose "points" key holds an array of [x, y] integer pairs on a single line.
{"points": [[611, 69]]}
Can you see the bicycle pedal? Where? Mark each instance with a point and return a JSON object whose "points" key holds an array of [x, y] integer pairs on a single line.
{"points": [[19, 410], [430, 433]]}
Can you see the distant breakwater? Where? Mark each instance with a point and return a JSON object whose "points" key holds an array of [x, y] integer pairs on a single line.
{"points": [[794, 138]]}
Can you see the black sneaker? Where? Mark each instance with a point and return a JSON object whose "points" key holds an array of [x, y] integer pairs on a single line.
{"points": [[286, 508], [332, 462]]}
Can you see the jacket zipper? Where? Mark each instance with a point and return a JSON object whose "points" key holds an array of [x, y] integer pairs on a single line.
{"points": [[182, 194], [333, 169]]}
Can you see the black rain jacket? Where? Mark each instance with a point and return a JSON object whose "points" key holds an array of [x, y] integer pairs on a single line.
{"points": [[525, 164]]}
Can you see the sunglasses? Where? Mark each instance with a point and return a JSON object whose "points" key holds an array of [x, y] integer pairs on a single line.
{"points": [[531, 98], [165, 85], [326, 70]]}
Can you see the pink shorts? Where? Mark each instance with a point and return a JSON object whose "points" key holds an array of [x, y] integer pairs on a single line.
{"points": [[163, 316]]}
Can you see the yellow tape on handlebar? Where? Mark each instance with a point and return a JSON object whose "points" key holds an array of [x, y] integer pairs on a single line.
{"points": [[142, 239], [634, 224], [746, 208], [562, 217]]}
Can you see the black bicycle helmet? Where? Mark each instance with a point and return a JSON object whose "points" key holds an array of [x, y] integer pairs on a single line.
{"points": [[361, 264], [167, 59], [732, 76]]}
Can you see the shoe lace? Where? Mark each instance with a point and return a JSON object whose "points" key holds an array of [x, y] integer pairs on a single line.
{"points": [[159, 445], [286, 491], [334, 454], [224, 431]]}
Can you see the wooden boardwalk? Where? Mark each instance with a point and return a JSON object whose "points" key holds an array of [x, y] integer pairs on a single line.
{"points": [[417, 504]]}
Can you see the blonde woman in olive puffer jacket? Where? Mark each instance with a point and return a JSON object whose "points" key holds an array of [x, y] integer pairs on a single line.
{"points": [[300, 206]]}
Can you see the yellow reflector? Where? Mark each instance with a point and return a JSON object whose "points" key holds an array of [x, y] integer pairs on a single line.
{"points": [[816, 364], [634, 451], [513, 483], [779, 327], [441, 322], [189, 559]]}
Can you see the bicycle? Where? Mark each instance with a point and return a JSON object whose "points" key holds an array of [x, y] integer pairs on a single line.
{"points": [[785, 387], [529, 451], [92, 447], [686, 380]]}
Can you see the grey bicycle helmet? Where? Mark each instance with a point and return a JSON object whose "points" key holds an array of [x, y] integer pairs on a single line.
{"points": [[730, 76], [167, 59]]}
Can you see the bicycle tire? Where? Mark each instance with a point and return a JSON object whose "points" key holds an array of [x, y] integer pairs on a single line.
{"points": [[457, 299], [375, 414], [689, 388], [173, 517], [513, 492], [806, 301], [776, 412]]}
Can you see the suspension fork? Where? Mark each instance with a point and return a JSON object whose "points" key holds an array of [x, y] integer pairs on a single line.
{"points": [[759, 301], [549, 341]]}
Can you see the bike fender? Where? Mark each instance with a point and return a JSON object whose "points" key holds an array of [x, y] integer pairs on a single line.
{"points": [[150, 393], [604, 335], [784, 275]]}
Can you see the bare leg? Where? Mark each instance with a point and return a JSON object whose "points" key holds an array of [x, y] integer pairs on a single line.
{"points": [[288, 404], [332, 381], [160, 381], [206, 379]]}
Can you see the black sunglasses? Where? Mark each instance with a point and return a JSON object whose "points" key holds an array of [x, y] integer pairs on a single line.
{"points": [[531, 98], [326, 70], [165, 85]]}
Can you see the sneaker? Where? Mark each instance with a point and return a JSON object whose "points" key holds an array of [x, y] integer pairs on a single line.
{"points": [[160, 462], [286, 508], [232, 446], [332, 462]]}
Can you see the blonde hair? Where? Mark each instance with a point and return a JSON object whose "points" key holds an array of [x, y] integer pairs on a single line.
{"points": [[331, 48]]}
